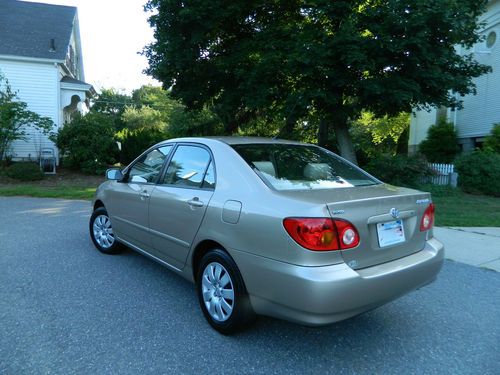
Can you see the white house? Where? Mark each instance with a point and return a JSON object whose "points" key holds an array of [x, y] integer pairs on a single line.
{"points": [[480, 112], [40, 55]]}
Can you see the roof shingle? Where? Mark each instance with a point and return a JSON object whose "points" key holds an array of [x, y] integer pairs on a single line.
{"points": [[26, 29]]}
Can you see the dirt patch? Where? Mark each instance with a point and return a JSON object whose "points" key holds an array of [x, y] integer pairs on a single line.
{"points": [[63, 177]]}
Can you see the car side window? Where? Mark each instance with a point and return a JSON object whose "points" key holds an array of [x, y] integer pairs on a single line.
{"points": [[209, 180], [188, 167], [148, 167]]}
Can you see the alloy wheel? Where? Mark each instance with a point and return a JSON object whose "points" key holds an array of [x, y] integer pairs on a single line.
{"points": [[218, 291], [103, 232]]}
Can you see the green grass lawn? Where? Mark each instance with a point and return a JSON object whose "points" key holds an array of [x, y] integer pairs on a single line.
{"points": [[66, 184], [65, 192], [456, 208]]}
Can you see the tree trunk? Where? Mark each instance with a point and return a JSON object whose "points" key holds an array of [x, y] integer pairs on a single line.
{"points": [[231, 127], [287, 131], [323, 133], [402, 144], [344, 140], [3, 149]]}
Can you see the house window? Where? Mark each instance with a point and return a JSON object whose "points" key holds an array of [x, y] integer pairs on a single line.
{"points": [[491, 39], [71, 61]]}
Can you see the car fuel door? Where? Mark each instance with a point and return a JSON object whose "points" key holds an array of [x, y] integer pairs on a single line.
{"points": [[179, 202]]}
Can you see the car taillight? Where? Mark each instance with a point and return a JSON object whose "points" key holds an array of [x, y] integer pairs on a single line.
{"points": [[322, 234], [427, 219]]}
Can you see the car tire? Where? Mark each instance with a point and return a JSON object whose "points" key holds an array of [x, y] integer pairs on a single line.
{"points": [[222, 294], [101, 232]]}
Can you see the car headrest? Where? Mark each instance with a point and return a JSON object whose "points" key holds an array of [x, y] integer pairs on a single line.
{"points": [[265, 167], [318, 171]]}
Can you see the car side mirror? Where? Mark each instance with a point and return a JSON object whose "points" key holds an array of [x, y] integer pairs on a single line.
{"points": [[114, 174]]}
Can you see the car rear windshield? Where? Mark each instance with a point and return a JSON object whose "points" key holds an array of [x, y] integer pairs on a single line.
{"points": [[301, 167]]}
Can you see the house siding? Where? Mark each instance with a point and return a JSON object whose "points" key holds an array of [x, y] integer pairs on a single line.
{"points": [[420, 121], [37, 84], [481, 111]]}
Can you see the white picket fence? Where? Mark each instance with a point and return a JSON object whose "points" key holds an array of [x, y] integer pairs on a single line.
{"points": [[444, 174]]}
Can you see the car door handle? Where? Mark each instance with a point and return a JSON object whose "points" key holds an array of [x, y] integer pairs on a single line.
{"points": [[144, 194], [195, 202]]}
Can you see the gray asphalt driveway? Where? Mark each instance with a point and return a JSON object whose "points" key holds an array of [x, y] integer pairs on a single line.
{"points": [[65, 308]]}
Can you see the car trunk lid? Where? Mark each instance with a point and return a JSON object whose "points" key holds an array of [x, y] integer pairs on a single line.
{"points": [[388, 226], [387, 219]]}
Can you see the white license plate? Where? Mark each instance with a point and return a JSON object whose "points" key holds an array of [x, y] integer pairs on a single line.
{"points": [[390, 233]]}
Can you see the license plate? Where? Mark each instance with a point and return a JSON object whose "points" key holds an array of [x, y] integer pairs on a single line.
{"points": [[390, 233]]}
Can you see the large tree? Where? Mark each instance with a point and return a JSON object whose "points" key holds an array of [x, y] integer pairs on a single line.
{"points": [[331, 59], [111, 101]]}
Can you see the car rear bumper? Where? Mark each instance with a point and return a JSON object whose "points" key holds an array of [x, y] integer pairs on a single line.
{"points": [[323, 295]]}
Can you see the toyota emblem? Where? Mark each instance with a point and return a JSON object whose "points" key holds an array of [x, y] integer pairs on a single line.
{"points": [[394, 212]]}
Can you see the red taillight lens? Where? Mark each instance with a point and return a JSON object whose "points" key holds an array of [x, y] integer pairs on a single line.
{"points": [[427, 219], [322, 234]]}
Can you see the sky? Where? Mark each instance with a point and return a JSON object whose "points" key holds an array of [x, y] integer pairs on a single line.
{"points": [[112, 32]]}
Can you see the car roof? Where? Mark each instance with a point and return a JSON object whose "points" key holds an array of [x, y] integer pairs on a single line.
{"points": [[231, 140], [235, 140]]}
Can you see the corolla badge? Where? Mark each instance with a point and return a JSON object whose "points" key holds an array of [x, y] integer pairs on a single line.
{"points": [[423, 201], [394, 212]]}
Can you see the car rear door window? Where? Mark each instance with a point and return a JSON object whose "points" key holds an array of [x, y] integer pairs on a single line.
{"points": [[189, 167]]}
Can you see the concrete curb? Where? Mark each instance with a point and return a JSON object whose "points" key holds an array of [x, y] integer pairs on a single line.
{"points": [[477, 246]]}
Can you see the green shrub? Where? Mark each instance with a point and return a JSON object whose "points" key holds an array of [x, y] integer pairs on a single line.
{"points": [[492, 141], [400, 170], [134, 142], [88, 143], [479, 173], [441, 145], [5, 162], [24, 171]]}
